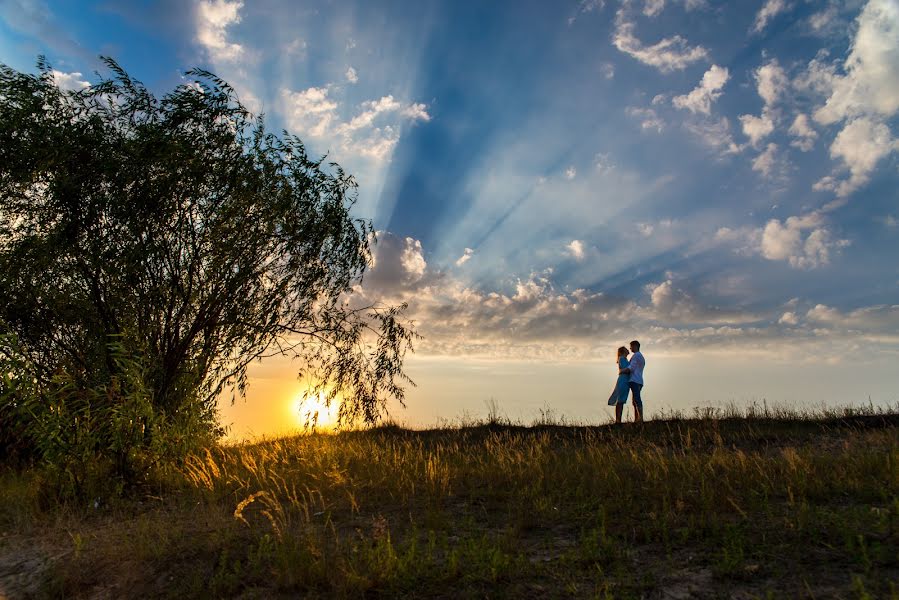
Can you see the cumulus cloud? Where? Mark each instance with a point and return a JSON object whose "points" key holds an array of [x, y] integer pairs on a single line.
{"points": [[603, 162], [466, 256], [822, 22], [788, 318], [70, 81], [709, 89], [715, 134], [608, 70], [649, 119], [757, 128], [804, 134], [645, 229], [213, 18], [804, 242], [771, 82], [373, 132], [576, 250], [398, 266], [586, 6], [860, 145], [530, 318], [413, 260], [666, 55], [863, 97], [652, 8], [310, 111], [769, 10], [766, 162], [351, 75], [870, 85], [296, 48], [789, 241], [570, 173], [881, 318]]}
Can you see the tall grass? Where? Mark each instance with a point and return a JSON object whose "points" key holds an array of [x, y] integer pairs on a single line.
{"points": [[764, 500]]}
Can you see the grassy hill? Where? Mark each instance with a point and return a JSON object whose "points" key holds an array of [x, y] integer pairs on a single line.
{"points": [[715, 506]]}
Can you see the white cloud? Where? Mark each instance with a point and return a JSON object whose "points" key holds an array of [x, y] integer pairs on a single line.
{"points": [[608, 70], [570, 173], [416, 112], [804, 241], [586, 6], [316, 113], [70, 81], [757, 128], [771, 9], [351, 75], [882, 318], [802, 130], [788, 318], [860, 145], [870, 85], [649, 119], [603, 162], [576, 250], [413, 259], [669, 54], [771, 82], [822, 22], [645, 229], [310, 111], [715, 134], [534, 320], [709, 89], [466, 256], [296, 48], [652, 8], [765, 162], [213, 18], [864, 97], [787, 241]]}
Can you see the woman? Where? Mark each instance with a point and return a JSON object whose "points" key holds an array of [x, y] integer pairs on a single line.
{"points": [[619, 394]]}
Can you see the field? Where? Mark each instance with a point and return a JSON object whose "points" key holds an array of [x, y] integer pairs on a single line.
{"points": [[755, 505]]}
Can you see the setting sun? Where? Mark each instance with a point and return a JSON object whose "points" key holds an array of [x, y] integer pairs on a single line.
{"points": [[311, 410]]}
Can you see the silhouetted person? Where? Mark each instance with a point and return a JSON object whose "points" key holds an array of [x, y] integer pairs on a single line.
{"points": [[634, 370], [619, 392]]}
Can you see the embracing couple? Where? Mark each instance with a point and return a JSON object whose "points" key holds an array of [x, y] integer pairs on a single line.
{"points": [[630, 379]]}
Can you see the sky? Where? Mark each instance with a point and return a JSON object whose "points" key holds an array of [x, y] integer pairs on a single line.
{"points": [[550, 180]]}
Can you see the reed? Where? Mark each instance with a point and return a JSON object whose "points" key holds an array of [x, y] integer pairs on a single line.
{"points": [[759, 502]]}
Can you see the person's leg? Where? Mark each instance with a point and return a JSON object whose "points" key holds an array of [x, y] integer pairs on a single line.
{"points": [[636, 388], [618, 408]]}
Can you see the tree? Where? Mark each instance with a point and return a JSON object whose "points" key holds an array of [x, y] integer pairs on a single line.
{"points": [[178, 237]]}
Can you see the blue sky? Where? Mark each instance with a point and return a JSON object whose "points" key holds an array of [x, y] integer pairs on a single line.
{"points": [[553, 179]]}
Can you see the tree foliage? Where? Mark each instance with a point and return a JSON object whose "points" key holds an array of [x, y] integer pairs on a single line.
{"points": [[175, 240]]}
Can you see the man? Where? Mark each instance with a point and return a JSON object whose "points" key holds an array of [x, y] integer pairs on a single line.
{"points": [[635, 370]]}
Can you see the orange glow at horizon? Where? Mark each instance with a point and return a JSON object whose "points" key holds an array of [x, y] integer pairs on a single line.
{"points": [[312, 410]]}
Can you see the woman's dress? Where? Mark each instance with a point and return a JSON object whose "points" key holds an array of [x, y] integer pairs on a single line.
{"points": [[619, 394]]}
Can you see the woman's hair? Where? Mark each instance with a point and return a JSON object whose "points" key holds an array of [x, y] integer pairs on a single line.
{"points": [[622, 351]]}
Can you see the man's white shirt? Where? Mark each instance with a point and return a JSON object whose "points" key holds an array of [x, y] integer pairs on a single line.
{"points": [[636, 366]]}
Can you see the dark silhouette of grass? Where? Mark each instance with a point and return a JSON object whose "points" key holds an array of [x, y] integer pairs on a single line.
{"points": [[723, 503]]}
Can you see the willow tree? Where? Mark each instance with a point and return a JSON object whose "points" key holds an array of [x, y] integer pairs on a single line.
{"points": [[178, 237]]}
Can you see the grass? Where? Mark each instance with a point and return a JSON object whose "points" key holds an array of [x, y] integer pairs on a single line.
{"points": [[752, 505]]}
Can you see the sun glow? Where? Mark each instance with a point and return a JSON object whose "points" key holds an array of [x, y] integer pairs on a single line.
{"points": [[312, 412]]}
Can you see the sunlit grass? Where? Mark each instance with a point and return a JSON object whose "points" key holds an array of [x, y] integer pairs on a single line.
{"points": [[766, 501]]}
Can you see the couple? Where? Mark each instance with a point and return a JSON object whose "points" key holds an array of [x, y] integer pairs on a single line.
{"points": [[630, 378]]}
